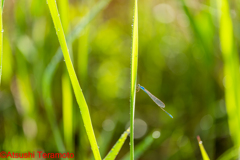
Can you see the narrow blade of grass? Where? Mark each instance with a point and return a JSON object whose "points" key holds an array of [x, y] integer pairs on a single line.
{"points": [[231, 70], [7, 64], [1, 40], [83, 50], [64, 12], [231, 153], [204, 153], [53, 123], [52, 66], [24, 85], [141, 148], [67, 104], [134, 64], [76, 87], [67, 111], [116, 148]]}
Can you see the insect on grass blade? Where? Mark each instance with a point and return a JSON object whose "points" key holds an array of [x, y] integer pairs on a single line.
{"points": [[155, 99]]}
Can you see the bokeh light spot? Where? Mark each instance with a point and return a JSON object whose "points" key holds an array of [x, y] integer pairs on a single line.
{"points": [[164, 13], [140, 128], [108, 125], [30, 128], [156, 134]]}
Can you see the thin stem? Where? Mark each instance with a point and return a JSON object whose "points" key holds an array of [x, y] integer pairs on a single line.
{"points": [[76, 87], [134, 63], [1, 39]]}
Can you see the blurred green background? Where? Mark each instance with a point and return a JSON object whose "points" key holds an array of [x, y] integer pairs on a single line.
{"points": [[180, 62]]}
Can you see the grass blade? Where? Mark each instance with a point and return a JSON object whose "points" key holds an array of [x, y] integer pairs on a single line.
{"points": [[76, 87], [204, 153], [67, 112], [52, 66], [231, 153], [141, 147], [67, 104], [83, 49], [1, 40], [116, 148], [134, 64], [231, 70], [24, 85]]}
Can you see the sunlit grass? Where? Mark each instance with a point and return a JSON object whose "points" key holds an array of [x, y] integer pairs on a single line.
{"points": [[1, 38], [76, 87], [67, 103], [25, 89], [204, 153], [67, 112], [231, 70], [231, 153], [116, 148], [182, 57], [52, 66], [134, 65]]}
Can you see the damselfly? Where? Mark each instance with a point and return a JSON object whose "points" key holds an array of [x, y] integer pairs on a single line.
{"points": [[155, 99]]}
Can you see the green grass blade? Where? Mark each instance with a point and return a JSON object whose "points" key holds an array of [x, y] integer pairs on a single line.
{"points": [[76, 87], [231, 70], [67, 111], [83, 49], [231, 153], [204, 153], [64, 12], [53, 123], [7, 64], [116, 148], [141, 148], [24, 85], [67, 104], [134, 64], [48, 76], [51, 69], [1, 40]]}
